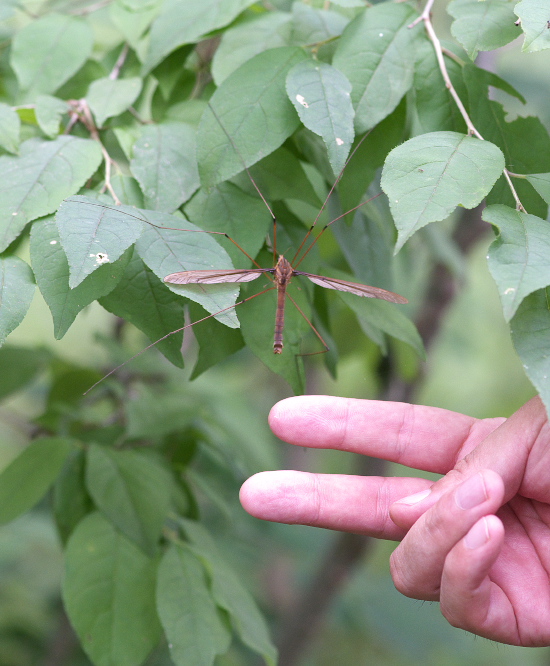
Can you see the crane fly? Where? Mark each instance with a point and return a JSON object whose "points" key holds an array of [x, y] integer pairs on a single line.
{"points": [[283, 270], [282, 273]]}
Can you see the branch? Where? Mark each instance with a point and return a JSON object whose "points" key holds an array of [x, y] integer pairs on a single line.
{"points": [[120, 61], [472, 131], [81, 111]]}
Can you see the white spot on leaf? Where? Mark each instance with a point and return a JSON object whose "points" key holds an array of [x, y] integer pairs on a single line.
{"points": [[510, 290], [339, 141], [100, 257], [54, 242], [301, 100]]}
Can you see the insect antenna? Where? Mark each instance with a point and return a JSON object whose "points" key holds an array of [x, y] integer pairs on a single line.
{"points": [[314, 241], [236, 149], [325, 202], [178, 330]]}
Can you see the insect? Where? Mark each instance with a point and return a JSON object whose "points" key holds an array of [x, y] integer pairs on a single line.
{"points": [[281, 273]]}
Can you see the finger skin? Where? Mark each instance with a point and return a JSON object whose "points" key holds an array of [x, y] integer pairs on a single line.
{"points": [[494, 587], [357, 504], [469, 599], [421, 437], [417, 563], [517, 450]]}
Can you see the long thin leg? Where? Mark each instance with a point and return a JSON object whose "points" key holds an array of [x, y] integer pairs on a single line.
{"points": [[326, 347], [249, 298]]}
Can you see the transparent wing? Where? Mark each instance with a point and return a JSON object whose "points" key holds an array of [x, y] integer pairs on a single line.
{"points": [[354, 288], [216, 276]]}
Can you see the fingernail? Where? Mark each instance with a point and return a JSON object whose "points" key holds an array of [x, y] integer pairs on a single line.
{"points": [[471, 493], [414, 499], [477, 536]]}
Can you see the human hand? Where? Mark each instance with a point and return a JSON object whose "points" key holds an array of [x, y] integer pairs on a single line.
{"points": [[477, 540]]}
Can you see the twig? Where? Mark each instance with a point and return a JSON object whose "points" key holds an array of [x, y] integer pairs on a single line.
{"points": [[81, 111], [120, 61], [472, 131]]}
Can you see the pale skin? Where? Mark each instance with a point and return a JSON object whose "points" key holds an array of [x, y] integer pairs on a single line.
{"points": [[477, 540]]}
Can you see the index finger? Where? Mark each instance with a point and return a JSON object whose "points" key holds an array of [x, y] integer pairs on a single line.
{"points": [[427, 438]]}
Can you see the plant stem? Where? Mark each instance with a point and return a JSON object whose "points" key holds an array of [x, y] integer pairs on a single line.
{"points": [[472, 131]]}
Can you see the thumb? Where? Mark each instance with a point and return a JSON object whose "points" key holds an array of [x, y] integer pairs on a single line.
{"points": [[505, 450]]}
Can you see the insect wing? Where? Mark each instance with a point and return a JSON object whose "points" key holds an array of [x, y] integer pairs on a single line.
{"points": [[354, 288], [216, 277]]}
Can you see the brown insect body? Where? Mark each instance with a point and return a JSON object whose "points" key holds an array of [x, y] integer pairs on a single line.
{"points": [[283, 274]]}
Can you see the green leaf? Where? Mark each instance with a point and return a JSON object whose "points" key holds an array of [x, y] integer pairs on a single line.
{"points": [[515, 139], [18, 367], [133, 21], [131, 489], [483, 26], [49, 111], [216, 342], [230, 594], [153, 416], [184, 247], [27, 478], [16, 294], [165, 165], [518, 258], [108, 592], [385, 317], [321, 96], [245, 40], [534, 23], [315, 26], [93, 234], [51, 269], [71, 501], [49, 50], [225, 208], [377, 52], [192, 622], [530, 329], [425, 178], [434, 105], [183, 22], [110, 97], [279, 176], [368, 158], [367, 245], [348, 3], [248, 117], [541, 183], [148, 304], [36, 182], [9, 128]]}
